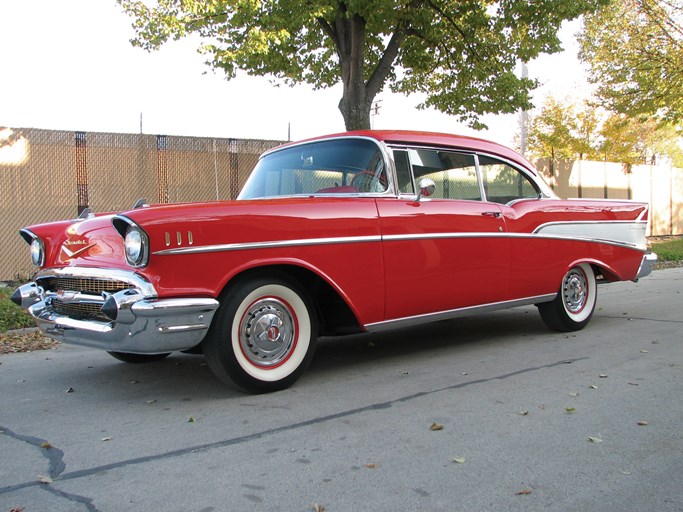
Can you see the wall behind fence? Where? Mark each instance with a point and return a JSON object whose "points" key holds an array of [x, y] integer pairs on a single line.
{"points": [[48, 175], [659, 185]]}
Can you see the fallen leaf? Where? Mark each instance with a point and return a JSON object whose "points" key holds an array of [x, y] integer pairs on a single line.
{"points": [[151, 401], [17, 509], [603, 375], [135, 381], [524, 492], [70, 390], [459, 460], [594, 439], [655, 342], [593, 386], [574, 394], [190, 419], [106, 439], [644, 351], [45, 479], [46, 445], [371, 465], [633, 384], [436, 426], [642, 423], [570, 409], [523, 413], [318, 508]]}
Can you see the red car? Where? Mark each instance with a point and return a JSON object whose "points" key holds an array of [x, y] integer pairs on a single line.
{"points": [[360, 231]]}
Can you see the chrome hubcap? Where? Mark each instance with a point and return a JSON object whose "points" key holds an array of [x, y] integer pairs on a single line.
{"points": [[575, 290], [267, 332]]}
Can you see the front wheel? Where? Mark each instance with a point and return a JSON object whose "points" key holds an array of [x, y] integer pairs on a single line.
{"points": [[573, 307], [263, 336]]}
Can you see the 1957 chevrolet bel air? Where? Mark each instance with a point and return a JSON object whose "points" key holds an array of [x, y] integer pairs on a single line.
{"points": [[360, 231]]}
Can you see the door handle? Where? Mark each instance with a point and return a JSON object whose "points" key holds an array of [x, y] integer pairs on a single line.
{"points": [[492, 214]]}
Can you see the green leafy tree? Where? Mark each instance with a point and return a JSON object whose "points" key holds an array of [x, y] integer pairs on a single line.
{"points": [[633, 141], [558, 131], [460, 54], [635, 52]]}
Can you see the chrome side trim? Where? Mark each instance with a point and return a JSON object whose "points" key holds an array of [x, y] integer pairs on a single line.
{"points": [[269, 245], [437, 236], [412, 321], [278, 244], [627, 233]]}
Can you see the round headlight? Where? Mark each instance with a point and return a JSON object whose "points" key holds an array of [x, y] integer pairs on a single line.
{"points": [[37, 252], [135, 245]]}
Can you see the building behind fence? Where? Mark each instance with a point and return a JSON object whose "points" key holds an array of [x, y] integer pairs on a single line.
{"points": [[48, 175]]}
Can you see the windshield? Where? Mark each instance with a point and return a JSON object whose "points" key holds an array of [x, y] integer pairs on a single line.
{"points": [[338, 166]]}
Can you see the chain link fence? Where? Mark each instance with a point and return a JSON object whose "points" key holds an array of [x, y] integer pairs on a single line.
{"points": [[48, 175]]}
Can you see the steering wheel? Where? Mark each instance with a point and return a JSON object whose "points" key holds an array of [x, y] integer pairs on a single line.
{"points": [[370, 181]]}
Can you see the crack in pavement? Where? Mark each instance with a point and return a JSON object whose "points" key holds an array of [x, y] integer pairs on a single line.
{"points": [[57, 465], [630, 317]]}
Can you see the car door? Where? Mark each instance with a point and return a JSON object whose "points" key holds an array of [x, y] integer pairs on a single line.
{"points": [[443, 252]]}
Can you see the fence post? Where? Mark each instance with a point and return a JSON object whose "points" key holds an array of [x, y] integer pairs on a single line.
{"points": [[233, 168], [162, 169], [81, 171]]}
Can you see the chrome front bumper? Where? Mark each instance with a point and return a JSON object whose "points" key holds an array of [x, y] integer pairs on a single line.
{"points": [[131, 320], [647, 265]]}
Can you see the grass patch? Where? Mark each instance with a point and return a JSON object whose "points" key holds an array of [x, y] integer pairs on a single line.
{"points": [[11, 315], [668, 249]]}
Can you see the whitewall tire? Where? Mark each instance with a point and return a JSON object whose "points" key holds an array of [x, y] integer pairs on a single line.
{"points": [[264, 335]]}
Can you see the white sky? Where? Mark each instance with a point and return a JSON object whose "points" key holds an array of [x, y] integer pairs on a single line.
{"points": [[69, 65]]}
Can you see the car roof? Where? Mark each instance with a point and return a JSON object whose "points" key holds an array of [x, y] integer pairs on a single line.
{"points": [[422, 138]]}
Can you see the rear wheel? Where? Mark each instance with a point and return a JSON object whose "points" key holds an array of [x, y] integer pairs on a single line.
{"points": [[573, 307], [127, 357], [264, 335]]}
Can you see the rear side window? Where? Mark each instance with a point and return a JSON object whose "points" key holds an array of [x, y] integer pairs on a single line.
{"points": [[503, 183]]}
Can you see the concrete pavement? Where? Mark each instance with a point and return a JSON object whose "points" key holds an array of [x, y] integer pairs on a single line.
{"points": [[492, 412]]}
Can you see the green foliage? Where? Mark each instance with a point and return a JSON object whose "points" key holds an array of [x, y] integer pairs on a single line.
{"points": [[635, 52], [11, 316], [563, 131], [559, 131], [669, 250], [461, 54]]}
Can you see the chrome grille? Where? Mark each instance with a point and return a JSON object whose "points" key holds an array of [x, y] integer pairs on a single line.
{"points": [[79, 310], [89, 285], [91, 290]]}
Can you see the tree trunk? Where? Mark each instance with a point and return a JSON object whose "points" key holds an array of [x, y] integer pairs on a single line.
{"points": [[356, 112], [348, 35]]}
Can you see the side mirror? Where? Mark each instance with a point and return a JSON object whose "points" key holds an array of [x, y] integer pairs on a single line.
{"points": [[426, 188]]}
